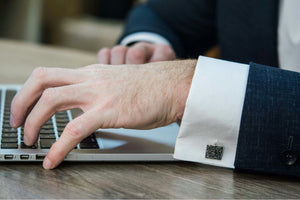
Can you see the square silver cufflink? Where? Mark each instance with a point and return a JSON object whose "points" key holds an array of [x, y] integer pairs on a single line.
{"points": [[214, 152]]}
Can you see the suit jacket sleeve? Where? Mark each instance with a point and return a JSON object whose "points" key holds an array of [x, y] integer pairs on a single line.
{"points": [[248, 116], [269, 136], [190, 27]]}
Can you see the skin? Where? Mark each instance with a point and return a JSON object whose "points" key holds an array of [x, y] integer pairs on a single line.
{"points": [[139, 53], [110, 97]]}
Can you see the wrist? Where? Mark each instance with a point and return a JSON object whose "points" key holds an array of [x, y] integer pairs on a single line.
{"points": [[183, 85]]}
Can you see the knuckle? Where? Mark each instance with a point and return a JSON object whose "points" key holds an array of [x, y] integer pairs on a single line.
{"points": [[29, 124], [16, 104], [118, 49], [49, 95], [136, 54], [74, 130], [39, 73], [125, 123], [167, 51]]}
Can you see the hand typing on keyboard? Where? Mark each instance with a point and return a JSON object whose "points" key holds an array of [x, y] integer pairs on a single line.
{"points": [[125, 96]]}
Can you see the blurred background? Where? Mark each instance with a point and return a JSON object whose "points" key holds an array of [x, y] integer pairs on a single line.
{"points": [[82, 24]]}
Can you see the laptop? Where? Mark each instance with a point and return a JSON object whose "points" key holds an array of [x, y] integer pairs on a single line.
{"points": [[103, 145]]}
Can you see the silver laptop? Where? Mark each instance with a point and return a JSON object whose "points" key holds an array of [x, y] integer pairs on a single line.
{"points": [[103, 145]]}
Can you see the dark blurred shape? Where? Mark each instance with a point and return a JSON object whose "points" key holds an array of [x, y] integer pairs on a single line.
{"points": [[21, 19], [113, 9]]}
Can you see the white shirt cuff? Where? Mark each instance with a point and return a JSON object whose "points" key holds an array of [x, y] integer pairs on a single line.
{"points": [[213, 111], [146, 37]]}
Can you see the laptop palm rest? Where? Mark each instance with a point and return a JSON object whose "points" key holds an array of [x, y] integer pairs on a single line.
{"points": [[158, 140]]}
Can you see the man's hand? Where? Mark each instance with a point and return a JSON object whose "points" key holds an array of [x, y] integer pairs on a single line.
{"points": [[139, 53], [135, 96]]}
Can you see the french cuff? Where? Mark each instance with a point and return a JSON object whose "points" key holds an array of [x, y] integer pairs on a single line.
{"points": [[146, 37], [210, 125]]}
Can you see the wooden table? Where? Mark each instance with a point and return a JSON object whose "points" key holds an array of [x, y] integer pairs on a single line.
{"points": [[118, 180]]}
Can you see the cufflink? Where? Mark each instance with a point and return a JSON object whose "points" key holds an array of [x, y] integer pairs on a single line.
{"points": [[214, 152]]}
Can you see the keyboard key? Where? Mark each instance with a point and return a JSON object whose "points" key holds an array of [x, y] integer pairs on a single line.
{"points": [[89, 139], [6, 108], [6, 118], [8, 98], [47, 136], [60, 129], [9, 146], [10, 95], [46, 143], [47, 127], [9, 140], [6, 114], [6, 123], [61, 114], [24, 146], [9, 135], [61, 125], [89, 146], [46, 131], [9, 130], [7, 126], [63, 119]]}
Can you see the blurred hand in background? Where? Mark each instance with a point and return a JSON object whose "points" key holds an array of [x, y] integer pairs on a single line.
{"points": [[138, 53]]}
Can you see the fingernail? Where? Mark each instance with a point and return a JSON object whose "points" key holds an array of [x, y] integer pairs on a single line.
{"points": [[12, 121], [47, 163]]}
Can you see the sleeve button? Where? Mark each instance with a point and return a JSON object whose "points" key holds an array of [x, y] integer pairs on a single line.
{"points": [[288, 157]]}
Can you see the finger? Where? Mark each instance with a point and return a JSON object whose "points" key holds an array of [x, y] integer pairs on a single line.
{"points": [[162, 53], [75, 132], [104, 56], [40, 79], [52, 100], [139, 53], [118, 54]]}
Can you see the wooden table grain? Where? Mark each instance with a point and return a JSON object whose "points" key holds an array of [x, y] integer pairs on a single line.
{"points": [[119, 180]]}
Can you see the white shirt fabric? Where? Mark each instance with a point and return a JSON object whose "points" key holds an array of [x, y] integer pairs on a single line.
{"points": [[214, 106], [213, 111], [289, 35], [146, 37]]}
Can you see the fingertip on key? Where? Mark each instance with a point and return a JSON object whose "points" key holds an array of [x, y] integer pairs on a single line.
{"points": [[25, 140], [47, 164]]}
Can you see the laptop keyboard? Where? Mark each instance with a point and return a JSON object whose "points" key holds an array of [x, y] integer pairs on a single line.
{"points": [[13, 138]]}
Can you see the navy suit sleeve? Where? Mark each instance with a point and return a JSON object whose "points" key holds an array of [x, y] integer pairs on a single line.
{"points": [[269, 137], [188, 25]]}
